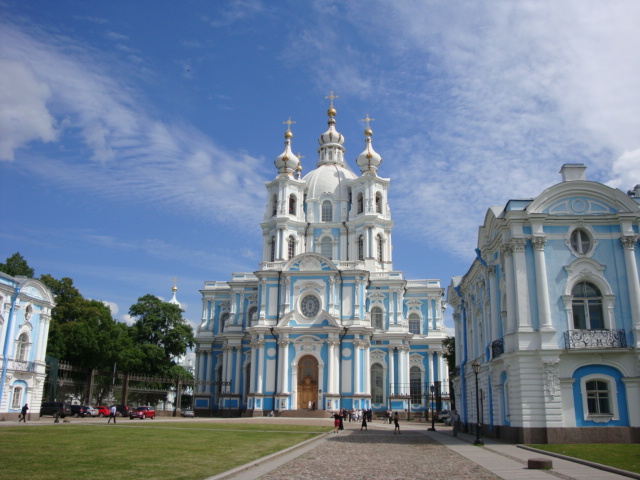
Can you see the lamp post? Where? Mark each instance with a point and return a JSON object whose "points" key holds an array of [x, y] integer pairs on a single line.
{"points": [[432, 388], [476, 369]]}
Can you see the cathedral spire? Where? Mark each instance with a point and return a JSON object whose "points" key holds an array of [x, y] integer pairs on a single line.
{"points": [[174, 289], [287, 162], [368, 160], [331, 142]]}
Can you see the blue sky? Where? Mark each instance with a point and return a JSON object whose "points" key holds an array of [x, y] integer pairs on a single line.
{"points": [[136, 137]]}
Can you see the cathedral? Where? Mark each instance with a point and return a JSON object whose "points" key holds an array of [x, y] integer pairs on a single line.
{"points": [[325, 322]]}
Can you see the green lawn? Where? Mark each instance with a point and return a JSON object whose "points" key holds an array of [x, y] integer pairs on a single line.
{"points": [[140, 450], [619, 455]]}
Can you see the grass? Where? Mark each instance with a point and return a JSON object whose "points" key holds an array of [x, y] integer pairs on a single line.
{"points": [[619, 455], [140, 450]]}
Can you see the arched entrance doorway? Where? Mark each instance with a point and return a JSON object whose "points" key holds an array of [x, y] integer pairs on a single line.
{"points": [[307, 382]]}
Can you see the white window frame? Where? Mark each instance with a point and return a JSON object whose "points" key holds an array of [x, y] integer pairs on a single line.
{"points": [[384, 382], [16, 397], [613, 398], [328, 218], [373, 323], [589, 232], [22, 347], [415, 317]]}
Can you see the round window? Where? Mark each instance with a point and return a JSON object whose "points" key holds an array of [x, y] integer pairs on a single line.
{"points": [[310, 306]]}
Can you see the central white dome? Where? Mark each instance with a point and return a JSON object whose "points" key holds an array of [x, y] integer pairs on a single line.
{"points": [[333, 179]]}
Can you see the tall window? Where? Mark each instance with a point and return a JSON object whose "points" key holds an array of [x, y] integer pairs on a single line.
{"points": [[598, 397], [224, 318], [360, 247], [291, 247], [252, 316], [376, 318], [292, 204], [580, 241], [272, 247], [414, 323], [16, 399], [587, 307], [327, 211], [377, 383], [360, 203], [22, 347], [379, 245], [326, 247], [274, 205], [378, 202], [415, 385]]}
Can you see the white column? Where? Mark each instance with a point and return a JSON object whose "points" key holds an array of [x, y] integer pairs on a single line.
{"points": [[336, 368], [392, 379], [259, 361], [522, 288], [629, 242], [430, 366], [493, 303], [252, 380], [283, 378], [356, 380], [236, 380], [507, 251], [331, 360], [401, 370], [407, 370], [367, 369], [542, 286], [40, 353]]}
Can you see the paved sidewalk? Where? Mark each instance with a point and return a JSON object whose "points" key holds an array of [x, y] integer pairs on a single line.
{"points": [[415, 453]]}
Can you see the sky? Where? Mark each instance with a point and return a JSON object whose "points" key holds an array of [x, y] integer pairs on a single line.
{"points": [[136, 137]]}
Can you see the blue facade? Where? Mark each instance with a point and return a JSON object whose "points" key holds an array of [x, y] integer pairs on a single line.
{"points": [[550, 312]]}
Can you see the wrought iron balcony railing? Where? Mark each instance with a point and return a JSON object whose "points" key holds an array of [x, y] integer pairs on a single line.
{"points": [[497, 348], [23, 366], [578, 339]]}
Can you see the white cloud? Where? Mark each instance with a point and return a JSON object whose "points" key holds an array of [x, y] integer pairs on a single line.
{"points": [[24, 116]]}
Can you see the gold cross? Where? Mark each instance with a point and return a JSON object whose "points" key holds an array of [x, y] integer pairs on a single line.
{"points": [[289, 122], [300, 156], [331, 97], [367, 120], [174, 280]]}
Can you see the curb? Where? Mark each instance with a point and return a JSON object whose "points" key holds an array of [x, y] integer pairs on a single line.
{"points": [[256, 463], [599, 466]]}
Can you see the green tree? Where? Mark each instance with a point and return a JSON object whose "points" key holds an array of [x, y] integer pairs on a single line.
{"points": [[449, 354], [160, 332], [16, 265]]}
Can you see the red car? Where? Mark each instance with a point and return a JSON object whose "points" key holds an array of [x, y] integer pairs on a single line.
{"points": [[142, 413], [102, 411]]}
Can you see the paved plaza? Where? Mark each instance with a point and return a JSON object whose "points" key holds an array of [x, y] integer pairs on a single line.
{"points": [[415, 453]]}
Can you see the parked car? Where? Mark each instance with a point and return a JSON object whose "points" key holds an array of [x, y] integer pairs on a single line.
{"points": [[123, 410], [102, 411], [142, 413], [187, 412], [50, 408], [92, 412], [79, 411], [444, 415]]}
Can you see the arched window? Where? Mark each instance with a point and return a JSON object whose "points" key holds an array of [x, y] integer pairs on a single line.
{"points": [[378, 202], [16, 399], [224, 318], [327, 211], [414, 323], [274, 205], [360, 247], [580, 241], [598, 398], [292, 204], [587, 307], [252, 316], [291, 247], [376, 318], [272, 247], [379, 245], [415, 385], [360, 203], [326, 247], [377, 383], [22, 347]]}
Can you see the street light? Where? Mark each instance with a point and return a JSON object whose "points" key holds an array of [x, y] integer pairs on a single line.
{"points": [[433, 420], [476, 369]]}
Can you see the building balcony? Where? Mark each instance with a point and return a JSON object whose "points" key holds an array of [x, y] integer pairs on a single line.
{"points": [[22, 366], [595, 339]]}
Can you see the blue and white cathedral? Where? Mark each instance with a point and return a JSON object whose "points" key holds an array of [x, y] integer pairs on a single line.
{"points": [[325, 322]]}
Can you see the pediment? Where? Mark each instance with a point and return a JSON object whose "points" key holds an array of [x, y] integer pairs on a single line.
{"points": [[310, 262], [297, 320]]}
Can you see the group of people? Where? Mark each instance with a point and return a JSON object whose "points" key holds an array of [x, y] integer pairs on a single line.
{"points": [[364, 416]]}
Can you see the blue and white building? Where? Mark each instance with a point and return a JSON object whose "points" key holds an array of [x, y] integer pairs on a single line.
{"points": [[25, 315], [550, 311], [325, 322]]}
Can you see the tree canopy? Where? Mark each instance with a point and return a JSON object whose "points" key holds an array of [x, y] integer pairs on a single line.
{"points": [[16, 265]]}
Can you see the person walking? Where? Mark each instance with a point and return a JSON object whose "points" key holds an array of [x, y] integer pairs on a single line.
{"points": [[364, 423], [23, 413], [455, 419], [337, 419], [113, 412], [397, 425]]}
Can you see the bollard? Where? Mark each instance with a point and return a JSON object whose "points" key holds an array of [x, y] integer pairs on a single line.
{"points": [[56, 417], [539, 464]]}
